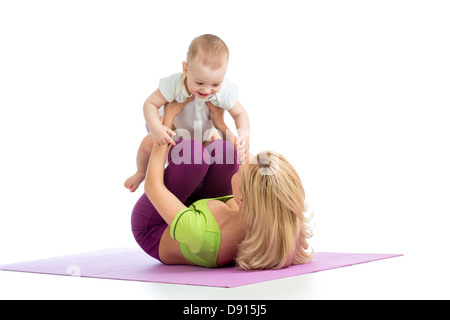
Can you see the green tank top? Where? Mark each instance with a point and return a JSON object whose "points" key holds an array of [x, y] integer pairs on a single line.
{"points": [[198, 233]]}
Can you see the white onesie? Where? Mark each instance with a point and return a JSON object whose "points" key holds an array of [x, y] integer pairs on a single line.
{"points": [[194, 121]]}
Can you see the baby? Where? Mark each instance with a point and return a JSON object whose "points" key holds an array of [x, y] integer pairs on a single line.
{"points": [[202, 86]]}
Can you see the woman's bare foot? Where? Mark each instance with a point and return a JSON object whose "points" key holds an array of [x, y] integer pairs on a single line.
{"points": [[133, 182]]}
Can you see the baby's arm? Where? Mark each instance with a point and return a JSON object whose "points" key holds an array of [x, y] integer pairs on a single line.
{"points": [[242, 122], [161, 134], [241, 119]]}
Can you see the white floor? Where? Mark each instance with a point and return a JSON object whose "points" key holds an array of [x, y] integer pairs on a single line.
{"points": [[355, 94]]}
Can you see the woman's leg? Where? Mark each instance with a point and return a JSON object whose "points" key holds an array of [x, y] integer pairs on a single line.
{"points": [[188, 165], [181, 178], [147, 226], [223, 165]]}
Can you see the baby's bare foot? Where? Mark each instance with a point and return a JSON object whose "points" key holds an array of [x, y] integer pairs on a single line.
{"points": [[133, 182]]}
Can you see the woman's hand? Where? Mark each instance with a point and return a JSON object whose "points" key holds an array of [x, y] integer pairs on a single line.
{"points": [[172, 109], [217, 116], [241, 143], [242, 146]]}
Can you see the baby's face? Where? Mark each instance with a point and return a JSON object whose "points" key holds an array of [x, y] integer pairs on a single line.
{"points": [[202, 80]]}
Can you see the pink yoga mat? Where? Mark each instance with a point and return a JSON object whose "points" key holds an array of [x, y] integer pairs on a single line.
{"points": [[134, 264]]}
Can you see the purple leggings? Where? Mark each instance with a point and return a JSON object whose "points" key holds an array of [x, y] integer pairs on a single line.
{"points": [[193, 173]]}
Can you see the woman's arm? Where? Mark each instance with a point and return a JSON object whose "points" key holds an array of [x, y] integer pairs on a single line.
{"points": [[164, 201]]}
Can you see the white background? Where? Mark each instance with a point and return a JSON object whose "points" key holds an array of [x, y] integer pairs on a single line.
{"points": [[355, 94]]}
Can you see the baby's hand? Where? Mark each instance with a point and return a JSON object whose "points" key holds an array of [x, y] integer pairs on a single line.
{"points": [[242, 146], [162, 135]]}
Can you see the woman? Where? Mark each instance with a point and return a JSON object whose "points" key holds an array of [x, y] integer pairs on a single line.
{"points": [[257, 222]]}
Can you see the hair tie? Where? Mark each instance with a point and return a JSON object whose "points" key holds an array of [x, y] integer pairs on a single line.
{"points": [[264, 164]]}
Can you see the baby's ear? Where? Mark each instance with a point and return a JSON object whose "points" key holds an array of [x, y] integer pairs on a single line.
{"points": [[185, 67]]}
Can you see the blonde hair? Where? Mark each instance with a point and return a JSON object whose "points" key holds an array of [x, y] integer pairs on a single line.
{"points": [[274, 203], [210, 49]]}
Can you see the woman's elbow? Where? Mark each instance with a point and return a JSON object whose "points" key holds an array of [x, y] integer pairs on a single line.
{"points": [[153, 189], [149, 188]]}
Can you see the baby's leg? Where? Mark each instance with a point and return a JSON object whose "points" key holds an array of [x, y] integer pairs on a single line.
{"points": [[143, 155]]}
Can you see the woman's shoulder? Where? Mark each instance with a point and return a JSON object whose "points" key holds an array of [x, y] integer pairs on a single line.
{"points": [[231, 227], [228, 206], [225, 214]]}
